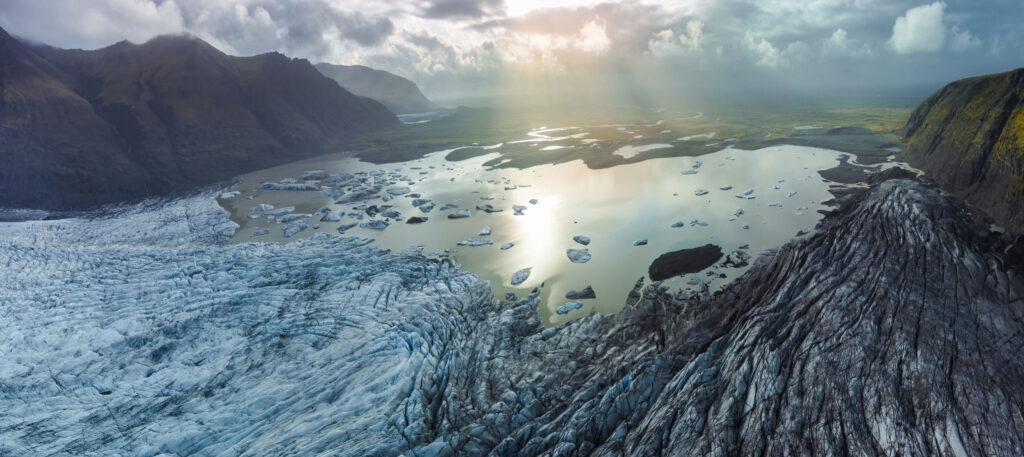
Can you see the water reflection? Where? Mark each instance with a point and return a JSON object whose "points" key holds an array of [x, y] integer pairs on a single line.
{"points": [[614, 207]]}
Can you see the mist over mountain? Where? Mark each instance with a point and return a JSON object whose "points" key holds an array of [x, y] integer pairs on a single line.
{"points": [[395, 92], [88, 127]]}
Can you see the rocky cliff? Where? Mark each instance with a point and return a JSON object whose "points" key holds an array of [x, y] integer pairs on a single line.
{"points": [[86, 127], [969, 138], [395, 92]]}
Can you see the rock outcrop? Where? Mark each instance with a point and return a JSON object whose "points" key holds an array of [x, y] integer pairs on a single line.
{"points": [[81, 128], [969, 138]]}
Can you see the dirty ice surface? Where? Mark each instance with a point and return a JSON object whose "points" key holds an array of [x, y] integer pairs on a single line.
{"points": [[540, 209]]}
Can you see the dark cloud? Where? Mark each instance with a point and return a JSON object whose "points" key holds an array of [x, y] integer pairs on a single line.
{"points": [[463, 9], [453, 42], [291, 25]]}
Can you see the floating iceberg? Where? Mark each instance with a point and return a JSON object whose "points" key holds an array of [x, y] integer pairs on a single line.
{"points": [[578, 255], [475, 242], [520, 276], [293, 228], [584, 240], [586, 293], [305, 186], [570, 306], [507, 246], [375, 224], [398, 190], [461, 214]]}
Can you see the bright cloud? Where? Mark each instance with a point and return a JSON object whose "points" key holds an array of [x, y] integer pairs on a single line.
{"points": [[921, 29]]}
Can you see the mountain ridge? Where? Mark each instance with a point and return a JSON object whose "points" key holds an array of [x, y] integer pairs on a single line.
{"points": [[969, 138], [397, 93], [131, 120]]}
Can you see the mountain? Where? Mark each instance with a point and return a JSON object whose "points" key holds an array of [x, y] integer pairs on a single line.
{"points": [[395, 92], [969, 138], [82, 128]]}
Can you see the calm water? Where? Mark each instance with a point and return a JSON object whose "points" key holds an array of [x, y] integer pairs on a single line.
{"points": [[614, 207]]}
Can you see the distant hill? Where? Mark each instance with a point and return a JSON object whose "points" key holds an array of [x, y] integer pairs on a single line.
{"points": [[395, 92], [81, 128], [969, 138]]}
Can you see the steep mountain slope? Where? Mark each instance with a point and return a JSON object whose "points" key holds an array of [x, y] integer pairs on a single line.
{"points": [[395, 92], [969, 137], [88, 127]]}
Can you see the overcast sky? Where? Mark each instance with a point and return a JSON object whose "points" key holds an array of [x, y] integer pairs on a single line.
{"points": [[453, 45]]}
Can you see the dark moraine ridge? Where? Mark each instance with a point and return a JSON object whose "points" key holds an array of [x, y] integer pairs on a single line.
{"points": [[969, 138], [684, 261], [82, 128], [893, 330]]}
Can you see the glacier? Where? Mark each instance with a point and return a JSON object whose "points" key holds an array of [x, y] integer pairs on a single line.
{"points": [[893, 329]]}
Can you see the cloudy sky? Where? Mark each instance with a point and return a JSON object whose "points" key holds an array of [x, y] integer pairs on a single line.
{"points": [[453, 47]]}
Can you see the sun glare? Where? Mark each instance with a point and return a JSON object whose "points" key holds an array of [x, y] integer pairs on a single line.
{"points": [[520, 7]]}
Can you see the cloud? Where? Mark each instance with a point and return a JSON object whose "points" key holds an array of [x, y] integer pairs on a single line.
{"points": [[593, 38], [668, 42], [463, 9], [765, 53], [77, 24], [963, 40], [839, 45], [921, 29], [455, 41]]}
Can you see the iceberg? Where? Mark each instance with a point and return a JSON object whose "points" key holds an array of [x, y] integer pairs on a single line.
{"points": [[305, 186], [520, 276], [586, 293], [375, 224], [578, 255], [473, 242], [294, 227], [398, 190], [569, 306]]}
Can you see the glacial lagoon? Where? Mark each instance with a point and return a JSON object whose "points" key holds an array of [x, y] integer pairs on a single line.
{"points": [[738, 200]]}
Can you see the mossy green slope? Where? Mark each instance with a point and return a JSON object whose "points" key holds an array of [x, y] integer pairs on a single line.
{"points": [[969, 138]]}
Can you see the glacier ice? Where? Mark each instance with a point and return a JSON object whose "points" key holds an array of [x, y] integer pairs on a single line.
{"points": [[137, 331]]}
